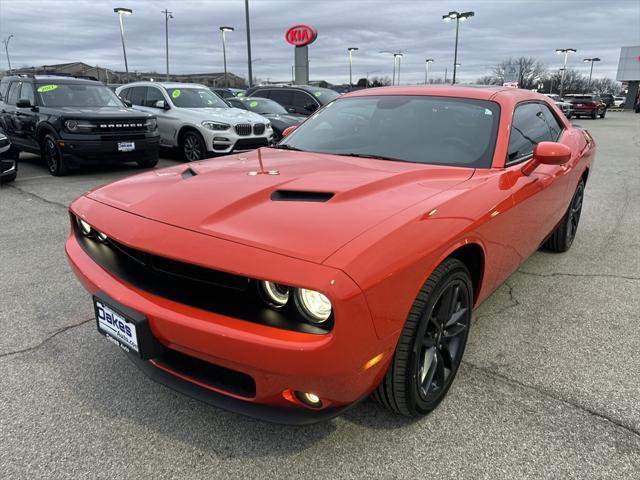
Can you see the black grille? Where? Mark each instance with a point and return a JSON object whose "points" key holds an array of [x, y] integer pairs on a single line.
{"points": [[243, 129], [250, 143], [258, 129], [112, 126]]}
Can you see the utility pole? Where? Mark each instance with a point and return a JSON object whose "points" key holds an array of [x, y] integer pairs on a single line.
{"points": [[6, 50], [167, 16], [121, 12], [246, 14]]}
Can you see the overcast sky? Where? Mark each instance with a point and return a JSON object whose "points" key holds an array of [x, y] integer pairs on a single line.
{"points": [[57, 31]]}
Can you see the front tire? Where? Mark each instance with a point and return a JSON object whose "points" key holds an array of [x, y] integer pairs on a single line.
{"points": [[53, 157], [604, 112], [431, 344], [193, 146], [594, 114], [562, 237]]}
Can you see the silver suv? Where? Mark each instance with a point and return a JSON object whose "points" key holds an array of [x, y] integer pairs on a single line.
{"points": [[196, 120]]}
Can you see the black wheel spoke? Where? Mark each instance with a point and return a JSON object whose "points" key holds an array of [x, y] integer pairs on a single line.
{"points": [[447, 357], [455, 317], [455, 330]]}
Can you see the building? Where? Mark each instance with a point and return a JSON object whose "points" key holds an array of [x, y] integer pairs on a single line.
{"points": [[629, 72]]}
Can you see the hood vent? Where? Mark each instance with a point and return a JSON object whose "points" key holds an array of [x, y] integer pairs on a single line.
{"points": [[188, 173], [300, 196]]}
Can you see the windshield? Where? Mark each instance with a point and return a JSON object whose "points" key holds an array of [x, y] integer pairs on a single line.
{"points": [[420, 129], [195, 98], [263, 105], [76, 95], [324, 95]]}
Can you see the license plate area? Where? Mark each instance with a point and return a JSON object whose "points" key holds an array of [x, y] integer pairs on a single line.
{"points": [[126, 146]]}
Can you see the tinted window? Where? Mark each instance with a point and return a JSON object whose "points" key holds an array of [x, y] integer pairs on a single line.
{"points": [[12, 96], [262, 93], [283, 97], [259, 105], [324, 95], [552, 122], [419, 129], [528, 128], [125, 93], [4, 88], [26, 93], [138, 95], [153, 95], [237, 103], [301, 100]]}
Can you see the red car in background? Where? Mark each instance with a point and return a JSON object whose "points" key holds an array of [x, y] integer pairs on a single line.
{"points": [[291, 282], [587, 106]]}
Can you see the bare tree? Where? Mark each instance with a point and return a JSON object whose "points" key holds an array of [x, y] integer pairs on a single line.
{"points": [[605, 85], [531, 71], [380, 81]]}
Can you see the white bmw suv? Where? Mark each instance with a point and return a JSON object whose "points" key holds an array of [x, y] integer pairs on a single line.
{"points": [[196, 120]]}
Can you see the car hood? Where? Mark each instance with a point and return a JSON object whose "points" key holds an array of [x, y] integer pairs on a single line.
{"points": [[225, 197], [227, 115], [102, 112]]}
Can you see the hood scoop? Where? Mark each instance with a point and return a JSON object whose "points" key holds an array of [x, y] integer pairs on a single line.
{"points": [[188, 173], [301, 196]]}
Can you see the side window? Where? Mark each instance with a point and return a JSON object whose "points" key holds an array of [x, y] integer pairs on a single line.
{"points": [[153, 95], [12, 96], [137, 95], [261, 94], [26, 93], [4, 88], [528, 128], [125, 93], [554, 126], [301, 99], [283, 97]]}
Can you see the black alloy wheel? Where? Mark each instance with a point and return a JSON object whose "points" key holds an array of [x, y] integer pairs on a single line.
{"points": [[193, 147], [431, 344], [53, 157], [562, 237]]}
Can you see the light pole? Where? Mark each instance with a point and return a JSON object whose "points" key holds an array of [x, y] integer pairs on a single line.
{"points": [[123, 11], [167, 16], [399, 57], [426, 69], [590, 60], [249, 63], [6, 50], [566, 52], [396, 55], [224, 52], [458, 17], [351, 50]]}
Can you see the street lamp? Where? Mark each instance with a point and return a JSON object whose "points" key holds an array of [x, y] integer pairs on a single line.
{"points": [[224, 52], [396, 58], [399, 57], [458, 17], [426, 69], [590, 60], [351, 50], [167, 16], [123, 11], [6, 49], [566, 52]]}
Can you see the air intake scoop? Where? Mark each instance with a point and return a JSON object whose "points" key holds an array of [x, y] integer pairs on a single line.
{"points": [[300, 196]]}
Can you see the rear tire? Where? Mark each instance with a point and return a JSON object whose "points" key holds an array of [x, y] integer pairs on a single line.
{"points": [[562, 237], [52, 155], [431, 343]]}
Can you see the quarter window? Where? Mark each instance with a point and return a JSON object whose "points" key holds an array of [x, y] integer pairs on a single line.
{"points": [[528, 128]]}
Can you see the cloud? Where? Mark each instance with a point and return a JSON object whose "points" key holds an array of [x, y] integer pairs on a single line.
{"points": [[56, 31]]}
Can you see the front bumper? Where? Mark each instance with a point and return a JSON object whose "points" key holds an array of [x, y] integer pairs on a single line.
{"points": [[101, 151], [229, 141], [334, 365]]}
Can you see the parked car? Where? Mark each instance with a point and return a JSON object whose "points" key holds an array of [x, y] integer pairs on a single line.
{"points": [[293, 281], [196, 120], [225, 93], [619, 102], [280, 119], [8, 160], [587, 106], [72, 122], [566, 107], [299, 99], [608, 99]]}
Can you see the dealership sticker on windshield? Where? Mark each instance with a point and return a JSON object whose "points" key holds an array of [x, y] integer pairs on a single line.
{"points": [[47, 88], [317, 94], [253, 104], [175, 93]]}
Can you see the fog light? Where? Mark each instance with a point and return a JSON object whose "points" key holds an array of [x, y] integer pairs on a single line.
{"points": [[85, 228], [310, 399], [274, 294]]}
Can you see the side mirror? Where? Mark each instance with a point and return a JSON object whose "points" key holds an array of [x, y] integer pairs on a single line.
{"points": [[161, 104], [311, 107], [547, 153], [127, 103], [287, 131], [24, 103]]}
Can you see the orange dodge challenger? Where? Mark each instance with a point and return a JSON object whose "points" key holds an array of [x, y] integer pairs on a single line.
{"points": [[290, 282]]}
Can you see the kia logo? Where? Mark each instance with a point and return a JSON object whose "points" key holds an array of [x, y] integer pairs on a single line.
{"points": [[300, 35]]}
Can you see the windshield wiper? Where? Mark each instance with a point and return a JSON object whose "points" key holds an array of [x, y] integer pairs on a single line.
{"points": [[287, 147], [368, 155]]}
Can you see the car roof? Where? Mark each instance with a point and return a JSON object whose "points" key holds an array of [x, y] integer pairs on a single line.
{"points": [[50, 78], [298, 87], [165, 84], [479, 92]]}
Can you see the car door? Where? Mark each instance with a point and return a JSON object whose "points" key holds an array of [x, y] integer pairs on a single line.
{"points": [[26, 118], [166, 124], [538, 198]]}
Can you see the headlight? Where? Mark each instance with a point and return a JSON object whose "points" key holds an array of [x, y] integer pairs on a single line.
{"points": [[268, 125], [313, 305], [151, 124], [274, 294], [101, 236], [78, 125], [85, 228], [215, 126]]}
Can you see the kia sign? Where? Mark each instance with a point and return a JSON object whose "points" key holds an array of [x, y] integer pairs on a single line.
{"points": [[301, 35]]}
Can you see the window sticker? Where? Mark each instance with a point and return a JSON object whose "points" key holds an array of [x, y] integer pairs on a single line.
{"points": [[46, 88], [175, 93], [253, 104], [317, 94]]}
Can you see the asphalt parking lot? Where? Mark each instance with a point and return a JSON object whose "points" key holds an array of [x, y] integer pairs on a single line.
{"points": [[549, 386]]}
